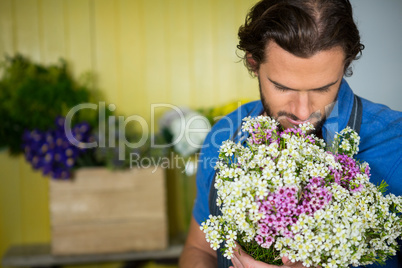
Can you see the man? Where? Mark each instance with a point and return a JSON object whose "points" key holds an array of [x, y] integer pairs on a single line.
{"points": [[299, 51]]}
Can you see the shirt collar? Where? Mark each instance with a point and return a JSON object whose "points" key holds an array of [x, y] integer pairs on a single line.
{"points": [[339, 116]]}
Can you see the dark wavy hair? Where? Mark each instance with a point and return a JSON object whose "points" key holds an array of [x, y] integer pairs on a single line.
{"points": [[301, 27]]}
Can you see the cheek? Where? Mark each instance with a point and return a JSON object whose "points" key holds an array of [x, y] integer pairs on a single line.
{"points": [[276, 98], [281, 100], [324, 100]]}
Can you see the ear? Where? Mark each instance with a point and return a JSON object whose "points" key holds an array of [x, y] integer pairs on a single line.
{"points": [[252, 63]]}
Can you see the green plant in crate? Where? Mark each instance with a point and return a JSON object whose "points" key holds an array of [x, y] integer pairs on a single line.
{"points": [[33, 95]]}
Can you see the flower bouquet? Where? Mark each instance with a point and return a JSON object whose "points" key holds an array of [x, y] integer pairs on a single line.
{"points": [[286, 194]]}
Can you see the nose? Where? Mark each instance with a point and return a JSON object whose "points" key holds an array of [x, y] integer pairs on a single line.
{"points": [[302, 106]]}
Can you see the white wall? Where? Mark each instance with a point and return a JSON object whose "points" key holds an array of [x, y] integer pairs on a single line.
{"points": [[377, 76]]}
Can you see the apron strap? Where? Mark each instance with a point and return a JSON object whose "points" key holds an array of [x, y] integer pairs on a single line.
{"points": [[355, 118]]}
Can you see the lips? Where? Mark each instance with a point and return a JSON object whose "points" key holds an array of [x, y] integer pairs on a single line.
{"points": [[296, 122]]}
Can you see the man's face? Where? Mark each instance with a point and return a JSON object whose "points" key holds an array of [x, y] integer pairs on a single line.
{"points": [[298, 90]]}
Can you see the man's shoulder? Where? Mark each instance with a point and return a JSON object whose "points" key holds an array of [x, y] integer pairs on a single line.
{"points": [[381, 143], [379, 118], [381, 113]]}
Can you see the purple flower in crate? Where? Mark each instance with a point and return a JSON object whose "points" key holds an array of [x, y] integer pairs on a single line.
{"points": [[33, 141], [60, 173], [52, 152]]}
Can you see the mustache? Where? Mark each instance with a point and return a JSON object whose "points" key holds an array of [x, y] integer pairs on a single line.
{"points": [[315, 115]]}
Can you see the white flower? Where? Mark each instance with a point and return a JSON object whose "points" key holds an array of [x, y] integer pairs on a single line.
{"points": [[308, 246], [228, 254], [215, 245], [327, 246], [231, 235], [345, 145], [332, 263]]}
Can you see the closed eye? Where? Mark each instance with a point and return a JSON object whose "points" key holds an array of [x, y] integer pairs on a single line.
{"points": [[318, 90], [282, 89], [321, 90]]}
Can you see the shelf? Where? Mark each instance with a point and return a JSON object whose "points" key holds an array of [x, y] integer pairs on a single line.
{"points": [[39, 255]]}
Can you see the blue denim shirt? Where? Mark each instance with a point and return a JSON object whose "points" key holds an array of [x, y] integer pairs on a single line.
{"points": [[380, 145]]}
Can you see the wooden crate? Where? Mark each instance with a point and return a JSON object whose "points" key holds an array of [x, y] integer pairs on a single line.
{"points": [[104, 211]]}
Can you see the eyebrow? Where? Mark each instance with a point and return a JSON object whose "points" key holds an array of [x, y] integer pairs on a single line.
{"points": [[313, 89]]}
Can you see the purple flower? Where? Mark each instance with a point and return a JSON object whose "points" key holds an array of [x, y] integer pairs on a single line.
{"points": [[263, 229], [269, 239], [51, 151], [299, 210], [349, 171], [259, 239]]}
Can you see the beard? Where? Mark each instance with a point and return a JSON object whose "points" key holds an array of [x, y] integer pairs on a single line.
{"points": [[318, 116]]}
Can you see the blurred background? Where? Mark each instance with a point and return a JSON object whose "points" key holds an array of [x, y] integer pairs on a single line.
{"points": [[143, 52]]}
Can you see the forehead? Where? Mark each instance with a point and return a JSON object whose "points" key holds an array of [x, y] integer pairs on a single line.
{"points": [[297, 72]]}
